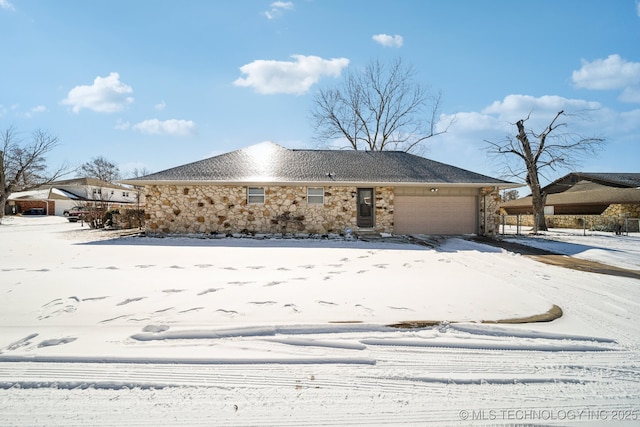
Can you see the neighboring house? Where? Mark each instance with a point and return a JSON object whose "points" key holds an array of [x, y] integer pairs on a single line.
{"points": [[266, 188], [60, 196], [600, 198]]}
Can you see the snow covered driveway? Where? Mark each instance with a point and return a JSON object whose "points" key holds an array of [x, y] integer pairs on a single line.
{"points": [[139, 331]]}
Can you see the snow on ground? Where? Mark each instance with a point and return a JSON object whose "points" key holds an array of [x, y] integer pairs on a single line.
{"points": [[618, 250], [101, 330]]}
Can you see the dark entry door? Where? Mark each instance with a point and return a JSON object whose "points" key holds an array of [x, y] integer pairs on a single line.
{"points": [[365, 207]]}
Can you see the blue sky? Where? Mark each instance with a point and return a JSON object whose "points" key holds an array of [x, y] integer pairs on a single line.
{"points": [[155, 84]]}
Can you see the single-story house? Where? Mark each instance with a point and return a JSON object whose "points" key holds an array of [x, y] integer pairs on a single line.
{"points": [[600, 197], [60, 196], [266, 188]]}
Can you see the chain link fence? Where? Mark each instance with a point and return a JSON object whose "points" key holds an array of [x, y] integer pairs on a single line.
{"points": [[526, 224]]}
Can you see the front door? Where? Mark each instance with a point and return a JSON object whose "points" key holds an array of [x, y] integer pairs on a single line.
{"points": [[365, 207]]}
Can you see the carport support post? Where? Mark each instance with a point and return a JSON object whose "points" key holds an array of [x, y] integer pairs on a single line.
{"points": [[626, 225], [584, 226]]}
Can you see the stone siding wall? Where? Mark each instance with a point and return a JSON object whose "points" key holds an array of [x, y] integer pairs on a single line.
{"points": [[489, 211], [204, 209]]}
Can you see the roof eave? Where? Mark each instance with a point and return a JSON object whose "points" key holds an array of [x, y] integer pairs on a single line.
{"points": [[324, 183]]}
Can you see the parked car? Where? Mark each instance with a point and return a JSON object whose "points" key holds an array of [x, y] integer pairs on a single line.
{"points": [[76, 213], [34, 211]]}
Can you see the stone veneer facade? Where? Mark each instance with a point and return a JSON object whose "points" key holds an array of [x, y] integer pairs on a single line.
{"points": [[223, 209], [208, 209]]}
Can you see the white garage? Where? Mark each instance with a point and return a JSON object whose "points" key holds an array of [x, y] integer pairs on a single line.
{"points": [[449, 212]]}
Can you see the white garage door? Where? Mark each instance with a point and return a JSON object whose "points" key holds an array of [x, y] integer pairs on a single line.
{"points": [[435, 215]]}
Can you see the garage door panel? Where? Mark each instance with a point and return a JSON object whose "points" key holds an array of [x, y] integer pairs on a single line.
{"points": [[435, 215]]}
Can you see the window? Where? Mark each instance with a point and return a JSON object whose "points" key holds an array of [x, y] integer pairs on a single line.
{"points": [[125, 194], [315, 195], [255, 195], [97, 191]]}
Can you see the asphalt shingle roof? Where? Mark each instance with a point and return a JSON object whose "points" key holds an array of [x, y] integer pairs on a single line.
{"points": [[585, 193], [618, 178], [269, 162]]}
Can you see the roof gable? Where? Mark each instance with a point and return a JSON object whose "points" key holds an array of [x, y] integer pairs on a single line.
{"points": [[271, 163], [617, 179]]}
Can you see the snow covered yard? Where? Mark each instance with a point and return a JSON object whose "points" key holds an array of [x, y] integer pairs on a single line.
{"points": [[97, 330]]}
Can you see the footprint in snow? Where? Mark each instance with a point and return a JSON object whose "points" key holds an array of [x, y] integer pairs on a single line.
{"points": [[59, 306], [208, 291], [203, 265], [130, 300], [230, 313], [362, 307], [380, 265], [144, 266], [24, 342], [190, 309], [56, 341], [262, 302], [273, 283], [172, 291], [292, 307], [155, 328], [399, 308], [124, 316], [326, 303], [94, 298], [255, 267]]}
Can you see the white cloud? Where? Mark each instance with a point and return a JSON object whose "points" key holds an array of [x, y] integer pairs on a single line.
{"points": [[630, 94], [122, 125], [167, 127], [4, 4], [610, 73], [35, 110], [292, 77], [387, 40], [277, 8], [106, 95], [515, 107], [160, 106]]}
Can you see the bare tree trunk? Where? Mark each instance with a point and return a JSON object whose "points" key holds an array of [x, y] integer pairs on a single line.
{"points": [[537, 195]]}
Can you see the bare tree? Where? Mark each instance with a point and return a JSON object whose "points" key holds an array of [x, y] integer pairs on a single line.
{"points": [[379, 108], [101, 168], [535, 152], [138, 172], [23, 164], [508, 195]]}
